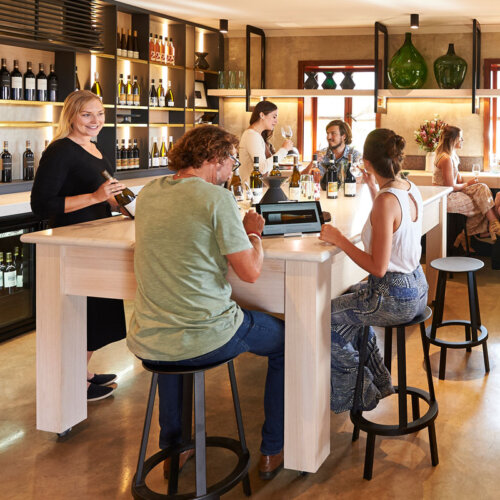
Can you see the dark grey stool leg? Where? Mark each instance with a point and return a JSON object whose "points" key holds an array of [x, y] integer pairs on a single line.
{"points": [[358, 391], [239, 422], [369, 455], [427, 361], [388, 347], [145, 432], [485, 347], [199, 434], [442, 363], [402, 399], [433, 444], [437, 317], [472, 305]]}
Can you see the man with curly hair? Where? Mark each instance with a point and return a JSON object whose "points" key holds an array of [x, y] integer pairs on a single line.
{"points": [[188, 229]]}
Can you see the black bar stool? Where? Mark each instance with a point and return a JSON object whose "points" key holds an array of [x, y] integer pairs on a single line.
{"points": [[403, 427], [458, 265], [192, 376]]}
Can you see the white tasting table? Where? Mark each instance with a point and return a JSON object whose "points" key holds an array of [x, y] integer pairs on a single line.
{"points": [[299, 278]]}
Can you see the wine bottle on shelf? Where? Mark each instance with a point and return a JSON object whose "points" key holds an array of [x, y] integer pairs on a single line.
{"points": [[130, 45], [41, 84], [256, 184], [130, 154], [118, 44], [123, 43], [2, 270], [165, 51], [294, 185], [137, 155], [96, 86], [122, 91], [136, 92], [349, 180], [151, 47], [332, 182], [28, 163], [9, 275], [6, 159], [135, 45], [155, 154], [19, 264], [153, 96], [235, 186], [157, 49], [169, 97], [77, 81], [161, 49], [126, 199], [163, 154], [171, 53], [118, 156], [170, 143], [16, 83], [130, 96], [123, 154], [316, 173], [29, 83], [276, 169], [161, 94], [52, 85], [4, 81]]}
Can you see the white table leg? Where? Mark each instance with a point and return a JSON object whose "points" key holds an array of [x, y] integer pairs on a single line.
{"points": [[61, 346], [307, 364]]}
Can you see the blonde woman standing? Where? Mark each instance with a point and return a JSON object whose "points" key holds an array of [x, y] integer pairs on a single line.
{"points": [[471, 198], [69, 189]]}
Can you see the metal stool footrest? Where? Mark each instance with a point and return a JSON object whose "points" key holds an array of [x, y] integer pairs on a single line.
{"points": [[141, 490], [483, 337]]}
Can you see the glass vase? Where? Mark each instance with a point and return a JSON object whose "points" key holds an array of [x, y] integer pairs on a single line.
{"points": [[347, 83], [311, 81], [450, 69], [200, 61], [329, 82], [407, 69]]}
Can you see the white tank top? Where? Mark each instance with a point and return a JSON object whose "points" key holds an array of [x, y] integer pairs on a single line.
{"points": [[406, 249]]}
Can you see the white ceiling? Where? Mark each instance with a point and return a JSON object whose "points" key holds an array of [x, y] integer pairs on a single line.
{"points": [[303, 14]]}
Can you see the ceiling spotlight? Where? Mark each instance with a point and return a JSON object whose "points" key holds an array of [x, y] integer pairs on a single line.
{"points": [[223, 25], [414, 21]]}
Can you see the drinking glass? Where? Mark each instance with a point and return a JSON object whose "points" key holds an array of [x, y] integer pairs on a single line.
{"points": [[286, 132], [476, 168], [222, 79], [231, 79], [356, 167], [306, 187], [241, 79]]}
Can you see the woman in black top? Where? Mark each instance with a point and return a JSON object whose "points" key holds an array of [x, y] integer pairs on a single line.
{"points": [[69, 189]]}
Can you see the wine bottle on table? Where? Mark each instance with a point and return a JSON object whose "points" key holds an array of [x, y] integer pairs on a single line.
{"points": [[28, 163], [6, 160], [96, 86], [122, 91], [161, 94], [163, 154], [136, 92], [235, 186], [41, 84], [16, 83], [129, 94], [276, 169], [350, 180], [4, 81], [256, 184], [135, 45], [294, 186], [169, 97], [316, 173], [153, 96], [126, 199], [9, 275], [29, 83], [155, 154], [332, 183], [52, 85]]}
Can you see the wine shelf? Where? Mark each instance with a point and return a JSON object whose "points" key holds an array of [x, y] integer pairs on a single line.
{"points": [[109, 106], [19, 124], [172, 66], [123, 125], [171, 125], [11, 102], [102, 55], [125, 106], [156, 108], [208, 71], [132, 60], [207, 110], [189, 109]]}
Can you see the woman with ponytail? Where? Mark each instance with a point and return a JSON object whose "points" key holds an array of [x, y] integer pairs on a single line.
{"points": [[396, 289]]}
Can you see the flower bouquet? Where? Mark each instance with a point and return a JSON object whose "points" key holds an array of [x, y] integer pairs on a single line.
{"points": [[427, 136]]}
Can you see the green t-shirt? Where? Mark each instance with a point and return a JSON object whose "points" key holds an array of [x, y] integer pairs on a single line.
{"points": [[183, 307]]}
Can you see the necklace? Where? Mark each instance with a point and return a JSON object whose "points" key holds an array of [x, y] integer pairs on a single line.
{"points": [[386, 184]]}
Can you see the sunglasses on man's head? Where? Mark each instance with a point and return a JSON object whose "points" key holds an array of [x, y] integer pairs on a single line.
{"points": [[237, 162]]}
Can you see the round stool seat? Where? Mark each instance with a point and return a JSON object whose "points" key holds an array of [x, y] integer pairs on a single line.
{"points": [[457, 264], [426, 314], [181, 369]]}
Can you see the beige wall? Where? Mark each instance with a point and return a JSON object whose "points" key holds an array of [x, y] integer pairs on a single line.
{"points": [[404, 116]]}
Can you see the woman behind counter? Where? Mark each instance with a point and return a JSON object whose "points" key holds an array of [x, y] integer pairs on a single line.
{"points": [[69, 189], [471, 198], [256, 140]]}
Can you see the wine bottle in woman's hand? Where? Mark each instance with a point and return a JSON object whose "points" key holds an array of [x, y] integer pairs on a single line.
{"points": [[125, 199]]}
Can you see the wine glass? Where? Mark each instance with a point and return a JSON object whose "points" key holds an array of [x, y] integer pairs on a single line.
{"points": [[476, 168], [356, 167], [286, 132]]}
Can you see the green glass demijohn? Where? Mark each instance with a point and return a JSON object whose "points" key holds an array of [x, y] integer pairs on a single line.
{"points": [[329, 82], [450, 69], [407, 69]]}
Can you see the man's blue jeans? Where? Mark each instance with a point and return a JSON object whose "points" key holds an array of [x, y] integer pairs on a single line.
{"points": [[259, 334]]}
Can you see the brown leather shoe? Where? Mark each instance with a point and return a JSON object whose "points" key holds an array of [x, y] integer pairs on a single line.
{"points": [[270, 465], [183, 458]]}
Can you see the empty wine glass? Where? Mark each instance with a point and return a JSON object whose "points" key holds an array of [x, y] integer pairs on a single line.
{"points": [[476, 168], [286, 132]]}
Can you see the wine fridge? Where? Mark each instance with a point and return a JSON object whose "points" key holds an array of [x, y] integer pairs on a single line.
{"points": [[17, 275]]}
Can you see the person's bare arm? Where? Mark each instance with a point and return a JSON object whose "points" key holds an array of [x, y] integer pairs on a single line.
{"points": [[106, 192], [446, 166]]}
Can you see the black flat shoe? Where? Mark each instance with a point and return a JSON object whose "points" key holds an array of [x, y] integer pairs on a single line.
{"points": [[104, 379], [97, 392]]}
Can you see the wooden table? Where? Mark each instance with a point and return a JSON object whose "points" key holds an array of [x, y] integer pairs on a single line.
{"points": [[299, 278]]}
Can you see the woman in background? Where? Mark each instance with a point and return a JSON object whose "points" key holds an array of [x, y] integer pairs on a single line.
{"points": [[396, 290], [471, 198], [256, 140], [69, 189]]}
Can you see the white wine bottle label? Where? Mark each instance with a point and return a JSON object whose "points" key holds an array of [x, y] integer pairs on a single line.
{"points": [[333, 190], [9, 279], [350, 189], [170, 104], [17, 82], [19, 281], [122, 99], [29, 84], [136, 55], [294, 193], [153, 101], [119, 52], [137, 100], [155, 161], [161, 101], [130, 100], [130, 207], [257, 195], [130, 53], [41, 84], [163, 161]]}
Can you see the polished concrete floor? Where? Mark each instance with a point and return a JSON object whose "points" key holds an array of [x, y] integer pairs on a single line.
{"points": [[98, 458]]}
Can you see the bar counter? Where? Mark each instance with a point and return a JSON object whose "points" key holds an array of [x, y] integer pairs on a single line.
{"points": [[300, 276]]}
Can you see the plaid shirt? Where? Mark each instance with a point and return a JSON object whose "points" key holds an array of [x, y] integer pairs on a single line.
{"points": [[341, 161]]}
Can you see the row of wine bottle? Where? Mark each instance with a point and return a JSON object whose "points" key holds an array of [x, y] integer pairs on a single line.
{"points": [[161, 51], [158, 97], [28, 87], [11, 271], [28, 162], [128, 93], [158, 155], [127, 45], [127, 158]]}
